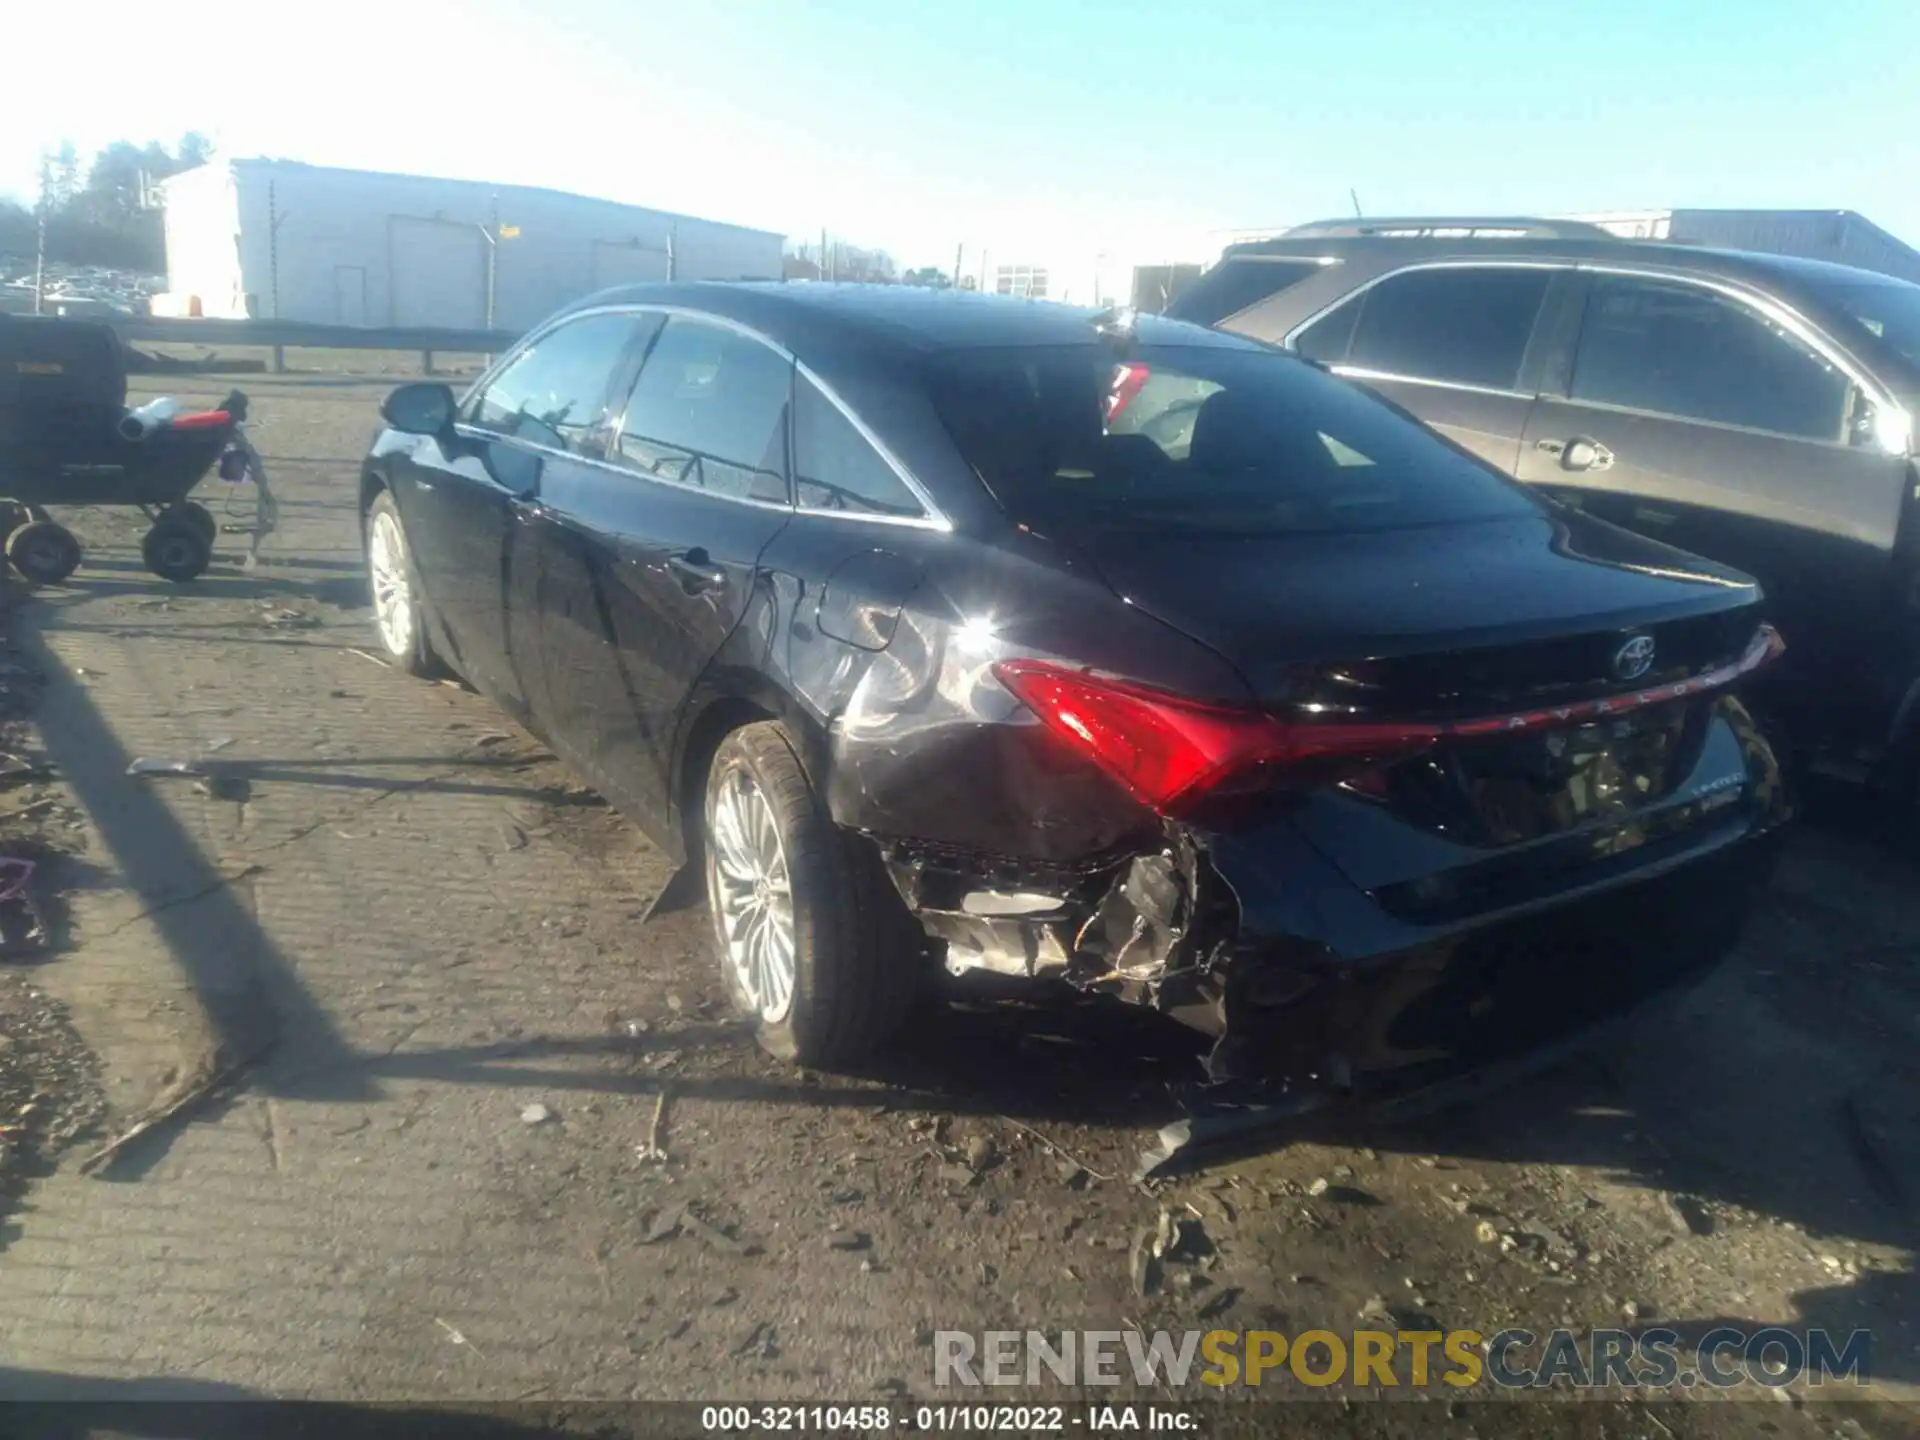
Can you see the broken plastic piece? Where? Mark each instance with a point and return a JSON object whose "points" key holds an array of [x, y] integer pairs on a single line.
{"points": [[149, 765]]}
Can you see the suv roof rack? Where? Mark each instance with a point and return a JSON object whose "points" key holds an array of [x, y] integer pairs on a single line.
{"points": [[1450, 227]]}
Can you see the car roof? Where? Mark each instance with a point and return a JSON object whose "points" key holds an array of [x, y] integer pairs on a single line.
{"points": [[1386, 252], [811, 317]]}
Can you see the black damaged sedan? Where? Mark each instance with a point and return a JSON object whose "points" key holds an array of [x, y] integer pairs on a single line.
{"points": [[940, 629]]}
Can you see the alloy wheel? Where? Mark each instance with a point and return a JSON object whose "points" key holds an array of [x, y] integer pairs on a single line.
{"points": [[393, 607], [752, 894]]}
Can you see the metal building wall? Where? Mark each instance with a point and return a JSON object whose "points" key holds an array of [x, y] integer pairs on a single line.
{"points": [[1841, 236], [364, 248]]}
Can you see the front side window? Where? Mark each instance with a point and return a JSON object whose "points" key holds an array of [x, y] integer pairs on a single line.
{"points": [[1465, 325], [834, 466], [555, 392], [709, 411], [1200, 439], [1677, 349]]}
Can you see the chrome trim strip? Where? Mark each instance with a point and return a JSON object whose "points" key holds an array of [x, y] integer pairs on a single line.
{"points": [[1360, 372], [1294, 334], [934, 519], [624, 472]]}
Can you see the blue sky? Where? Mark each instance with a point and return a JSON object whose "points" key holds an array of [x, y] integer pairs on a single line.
{"points": [[913, 127]]}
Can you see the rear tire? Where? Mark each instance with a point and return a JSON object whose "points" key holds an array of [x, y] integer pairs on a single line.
{"points": [[816, 949], [176, 549], [44, 551]]}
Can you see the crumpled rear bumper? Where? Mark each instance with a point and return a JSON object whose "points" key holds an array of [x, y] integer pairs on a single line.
{"points": [[1256, 938]]}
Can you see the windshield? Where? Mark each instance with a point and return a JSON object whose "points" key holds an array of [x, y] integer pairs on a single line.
{"points": [[1200, 440], [1890, 309]]}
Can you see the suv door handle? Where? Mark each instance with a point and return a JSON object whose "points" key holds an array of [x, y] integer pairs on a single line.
{"points": [[1578, 453], [696, 571]]}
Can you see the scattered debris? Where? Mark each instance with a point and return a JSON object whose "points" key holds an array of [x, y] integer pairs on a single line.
{"points": [[220, 742], [173, 1103], [664, 1226], [367, 655], [224, 787], [1486, 1232], [1144, 1266], [1685, 1214], [535, 1114], [654, 1151], [1066, 1159], [760, 1342], [981, 1153], [714, 1235], [457, 1338], [1319, 1187], [724, 1297], [147, 765], [848, 1240]]}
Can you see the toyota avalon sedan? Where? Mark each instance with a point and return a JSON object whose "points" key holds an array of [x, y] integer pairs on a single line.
{"points": [[934, 629]]}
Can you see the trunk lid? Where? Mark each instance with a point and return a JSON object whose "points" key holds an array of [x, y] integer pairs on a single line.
{"points": [[1476, 622], [1459, 617]]}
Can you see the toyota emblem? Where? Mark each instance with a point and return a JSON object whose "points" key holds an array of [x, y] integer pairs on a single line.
{"points": [[1633, 659]]}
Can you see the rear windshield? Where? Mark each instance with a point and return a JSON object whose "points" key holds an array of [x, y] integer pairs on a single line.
{"points": [[1236, 285], [1200, 440], [1888, 308]]}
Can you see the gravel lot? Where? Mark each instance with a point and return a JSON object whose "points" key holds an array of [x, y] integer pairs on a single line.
{"points": [[402, 947]]}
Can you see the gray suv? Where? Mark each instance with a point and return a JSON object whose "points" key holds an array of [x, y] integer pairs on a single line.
{"points": [[1755, 409]]}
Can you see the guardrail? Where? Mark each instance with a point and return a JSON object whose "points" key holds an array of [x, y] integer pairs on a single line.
{"points": [[281, 335]]}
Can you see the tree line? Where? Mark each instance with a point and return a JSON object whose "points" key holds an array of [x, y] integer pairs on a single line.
{"points": [[102, 214]]}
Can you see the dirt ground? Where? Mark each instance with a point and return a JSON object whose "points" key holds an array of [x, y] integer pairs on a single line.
{"points": [[404, 951]]}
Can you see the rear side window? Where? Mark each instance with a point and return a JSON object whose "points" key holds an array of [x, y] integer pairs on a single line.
{"points": [[836, 468], [1236, 285], [1465, 325], [1682, 350], [1199, 440], [555, 392], [709, 411]]}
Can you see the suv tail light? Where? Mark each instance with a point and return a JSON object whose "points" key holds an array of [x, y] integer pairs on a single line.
{"points": [[1173, 752]]}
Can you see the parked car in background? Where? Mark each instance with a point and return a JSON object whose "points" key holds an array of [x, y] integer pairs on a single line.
{"points": [[896, 614], [1757, 409]]}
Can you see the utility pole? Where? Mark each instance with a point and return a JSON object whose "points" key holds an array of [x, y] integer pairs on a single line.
{"points": [[1354, 195], [959, 253], [40, 245], [491, 231], [823, 252]]}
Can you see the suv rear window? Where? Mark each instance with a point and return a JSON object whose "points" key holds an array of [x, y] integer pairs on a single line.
{"points": [[1200, 440], [1235, 285]]}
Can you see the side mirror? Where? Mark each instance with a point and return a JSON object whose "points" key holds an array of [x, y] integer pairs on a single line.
{"points": [[424, 408]]}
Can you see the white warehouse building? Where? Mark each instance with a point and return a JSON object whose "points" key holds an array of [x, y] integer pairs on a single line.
{"points": [[276, 239]]}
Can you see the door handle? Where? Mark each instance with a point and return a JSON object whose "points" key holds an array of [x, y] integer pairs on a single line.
{"points": [[1578, 453], [696, 571]]}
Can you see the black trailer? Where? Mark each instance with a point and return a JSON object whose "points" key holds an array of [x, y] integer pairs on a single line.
{"points": [[67, 438]]}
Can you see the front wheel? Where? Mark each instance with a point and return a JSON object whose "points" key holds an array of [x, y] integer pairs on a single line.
{"points": [[399, 616], [818, 952], [176, 549]]}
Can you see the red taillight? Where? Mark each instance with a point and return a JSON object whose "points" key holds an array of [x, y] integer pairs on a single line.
{"points": [[1172, 752], [1128, 380], [205, 420]]}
